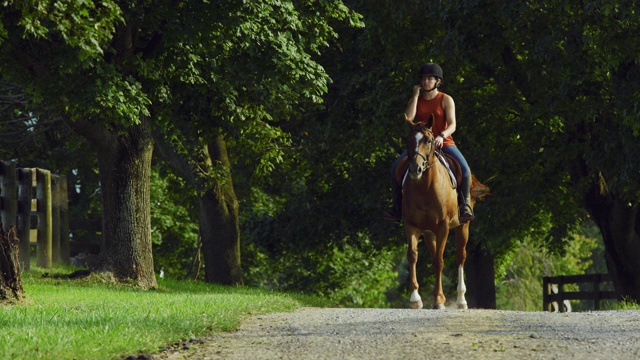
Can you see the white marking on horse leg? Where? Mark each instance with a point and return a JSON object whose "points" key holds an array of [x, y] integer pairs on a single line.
{"points": [[415, 302], [462, 289]]}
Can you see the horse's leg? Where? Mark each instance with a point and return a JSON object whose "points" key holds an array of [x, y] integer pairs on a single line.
{"points": [[415, 302], [462, 236], [436, 243]]}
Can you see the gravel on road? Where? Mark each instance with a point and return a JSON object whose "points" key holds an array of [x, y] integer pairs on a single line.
{"points": [[328, 333]]}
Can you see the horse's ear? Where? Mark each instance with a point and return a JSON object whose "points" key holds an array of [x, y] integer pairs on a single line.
{"points": [[430, 121], [409, 122]]}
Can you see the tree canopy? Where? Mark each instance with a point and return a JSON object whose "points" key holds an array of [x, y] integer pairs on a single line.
{"points": [[192, 73], [546, 94], [546, 103]]}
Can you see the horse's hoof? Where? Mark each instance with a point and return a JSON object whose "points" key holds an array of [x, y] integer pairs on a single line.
{"points": [[438, 307], [415, 304], [462, 306]]}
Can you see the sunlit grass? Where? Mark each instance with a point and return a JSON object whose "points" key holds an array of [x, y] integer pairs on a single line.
{"points": [[626, 304], [89, 319]]}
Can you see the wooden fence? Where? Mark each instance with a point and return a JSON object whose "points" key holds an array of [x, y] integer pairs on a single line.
{"points": [[50, 208], [555, 297]]}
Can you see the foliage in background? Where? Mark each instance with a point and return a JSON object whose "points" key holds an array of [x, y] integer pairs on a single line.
{"points": [[173, 228], [356, 275], [539, 114], [520, 287]]}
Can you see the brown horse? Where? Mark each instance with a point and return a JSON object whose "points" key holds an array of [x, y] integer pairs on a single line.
{"points": [[430, 209]]}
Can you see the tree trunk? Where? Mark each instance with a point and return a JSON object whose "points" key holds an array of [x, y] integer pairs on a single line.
{"points": [[11, 289], [124, 161], [219, 225], [619, 223], [218, 215], [480, 274]]}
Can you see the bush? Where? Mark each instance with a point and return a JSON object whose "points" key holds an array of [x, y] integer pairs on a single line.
{"points": [[347, 275]]}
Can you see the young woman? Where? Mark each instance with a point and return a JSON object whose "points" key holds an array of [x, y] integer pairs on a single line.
{"points": [[428, 99]]}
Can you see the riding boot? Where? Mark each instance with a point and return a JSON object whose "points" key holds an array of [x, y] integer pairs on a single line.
{"points": [[395, 213], [466, 212]]}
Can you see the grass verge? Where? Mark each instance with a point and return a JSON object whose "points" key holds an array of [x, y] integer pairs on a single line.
{"points": [[90, 319], [626, 304]]}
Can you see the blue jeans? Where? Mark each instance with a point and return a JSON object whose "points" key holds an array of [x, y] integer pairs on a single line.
{"points": [[453, 151]]}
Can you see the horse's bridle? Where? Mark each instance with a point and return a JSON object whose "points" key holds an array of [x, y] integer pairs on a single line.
{"points": [[424, 166]]}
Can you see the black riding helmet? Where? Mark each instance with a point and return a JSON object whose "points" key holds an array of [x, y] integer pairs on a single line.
{"points": [[431, 69]]}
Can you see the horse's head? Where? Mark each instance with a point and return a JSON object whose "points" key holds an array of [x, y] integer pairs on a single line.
{"points": [[420, 148]]}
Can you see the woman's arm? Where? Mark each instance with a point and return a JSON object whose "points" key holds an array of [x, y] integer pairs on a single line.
{"points": [[410, 112], [450, 114]]}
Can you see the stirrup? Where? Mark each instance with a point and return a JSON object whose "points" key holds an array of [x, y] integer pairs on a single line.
{"points": [[466, 213]]}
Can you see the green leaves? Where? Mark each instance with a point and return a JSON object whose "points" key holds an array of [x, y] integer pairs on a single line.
{"points": [[123, 100], [81, 24]]}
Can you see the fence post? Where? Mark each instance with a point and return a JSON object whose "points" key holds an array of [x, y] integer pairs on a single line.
{"points": [[43, 196], [52, 205], [25, 194], [9, 191], [546, 290], [65, 247], [55, 218], [596, 290], [561, 293]]}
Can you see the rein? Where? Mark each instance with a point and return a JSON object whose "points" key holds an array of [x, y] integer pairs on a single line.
{"points": [[426, 159]]}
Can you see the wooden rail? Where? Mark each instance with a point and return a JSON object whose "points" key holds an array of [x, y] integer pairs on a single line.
{"points": [[554, 294], [50, 206]]}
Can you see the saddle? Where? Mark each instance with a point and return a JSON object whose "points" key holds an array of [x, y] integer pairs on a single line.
{"points": [[449, 162]]}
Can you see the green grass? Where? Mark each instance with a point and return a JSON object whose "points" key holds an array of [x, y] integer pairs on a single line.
{"points": [[626, 304], [90, 319]]}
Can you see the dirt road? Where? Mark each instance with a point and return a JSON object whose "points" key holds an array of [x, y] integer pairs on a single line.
{"points": [[320, 333]]}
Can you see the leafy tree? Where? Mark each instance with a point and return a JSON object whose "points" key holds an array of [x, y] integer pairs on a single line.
{"points": [[35, 142], [77, 58], [564, 76], [249, 70], [546, 102], [122, 70]]}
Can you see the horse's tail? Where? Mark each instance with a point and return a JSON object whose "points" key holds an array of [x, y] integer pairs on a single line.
{"points": [[478, 190]]}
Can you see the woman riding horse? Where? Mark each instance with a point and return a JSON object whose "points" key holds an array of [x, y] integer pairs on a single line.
{"points": [[427, 100], [426, 197]]}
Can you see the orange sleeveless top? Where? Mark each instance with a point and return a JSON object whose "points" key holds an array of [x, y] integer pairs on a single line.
{"points": [[426, 107]]}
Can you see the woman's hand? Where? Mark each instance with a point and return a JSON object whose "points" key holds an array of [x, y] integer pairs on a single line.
{"points": [[416, 90]]}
